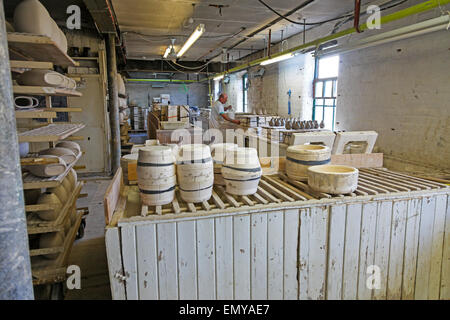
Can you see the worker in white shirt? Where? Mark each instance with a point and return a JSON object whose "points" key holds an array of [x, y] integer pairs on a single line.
{"points": [[219, 118]]}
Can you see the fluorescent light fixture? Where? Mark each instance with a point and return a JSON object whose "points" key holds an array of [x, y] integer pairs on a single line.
{"points": [[194, 36], [218, 78], [166, 54], [277, 59]]}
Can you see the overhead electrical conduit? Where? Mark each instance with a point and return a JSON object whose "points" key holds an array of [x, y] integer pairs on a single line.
{"points": [[419, 8]]}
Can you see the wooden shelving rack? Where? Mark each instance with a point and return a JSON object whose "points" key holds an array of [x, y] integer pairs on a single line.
{"points": [[50, 133], [32, 182], [39, 52]]}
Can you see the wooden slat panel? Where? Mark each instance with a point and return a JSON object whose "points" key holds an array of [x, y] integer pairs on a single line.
{"points": [[260, 199], [268, 196], [112, 195], [30, 64], [313, 252], [33, 182], [398, 228], [219, 203], [224, 258], [51, 132], [34, 114], [241, 239], [228, 197], [445, 280], [206, 259], [45, 91], [275, 257], [351, 256], [425, 247], [37, 47], [304, 248], [147, 258], [336, 251], [288, 190], [388, 173], [382, 244], [437, 247], [37, 161], [274, 190], [167, 261], [247, 201], [187, 264], [129, 261], [291, 236], [394, 186], [367, 248], [411, 247], [42, 251], [258, 256], [176, 206], [68, 109]]}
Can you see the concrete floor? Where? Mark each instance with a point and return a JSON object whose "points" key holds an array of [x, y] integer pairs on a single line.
{"points": [[89, 253]]}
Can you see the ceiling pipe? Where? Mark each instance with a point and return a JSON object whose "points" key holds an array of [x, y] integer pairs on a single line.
{"points": [[271, 23], [403, 30], [178, 81], [419, 8], [357, 15], [304, 26], [346, 49]]}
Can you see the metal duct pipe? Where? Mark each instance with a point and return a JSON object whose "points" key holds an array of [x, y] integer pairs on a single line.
{"points": [[414, 30], [15, 269]]}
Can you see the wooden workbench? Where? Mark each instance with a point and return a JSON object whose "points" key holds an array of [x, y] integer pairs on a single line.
{"points": [[285, 242]]}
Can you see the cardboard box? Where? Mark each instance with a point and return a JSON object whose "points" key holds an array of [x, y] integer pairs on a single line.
{"points": [[183, 114], [172, 113]]}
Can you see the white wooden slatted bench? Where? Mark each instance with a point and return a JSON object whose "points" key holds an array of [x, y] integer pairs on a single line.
{"points": [[285, 242]]}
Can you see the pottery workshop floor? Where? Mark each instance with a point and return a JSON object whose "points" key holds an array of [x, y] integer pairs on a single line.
{"points": [[89, 253]]}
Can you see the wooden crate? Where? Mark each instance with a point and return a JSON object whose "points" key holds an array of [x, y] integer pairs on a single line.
{"points": [[303, 246]]}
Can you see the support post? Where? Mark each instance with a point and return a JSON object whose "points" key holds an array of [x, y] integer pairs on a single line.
{"points": [[113, 102], [15, 268]]}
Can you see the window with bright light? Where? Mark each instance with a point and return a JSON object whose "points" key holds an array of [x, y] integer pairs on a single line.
{"points": [[217, 89], [325, 90], [244, 92]]}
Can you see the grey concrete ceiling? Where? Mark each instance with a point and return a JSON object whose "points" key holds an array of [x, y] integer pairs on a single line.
{"points": [[148, 25]]}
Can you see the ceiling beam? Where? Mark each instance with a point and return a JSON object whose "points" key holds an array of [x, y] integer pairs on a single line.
{"points": [[103, 14], [105, 21], [164, 66]]}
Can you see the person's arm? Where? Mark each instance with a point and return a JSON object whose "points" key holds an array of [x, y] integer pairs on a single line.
{"points": [[226, 117], [228, 108]]}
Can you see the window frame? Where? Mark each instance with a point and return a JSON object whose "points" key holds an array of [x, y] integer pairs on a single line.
{"points": [[316, 99], [244, 93]]}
